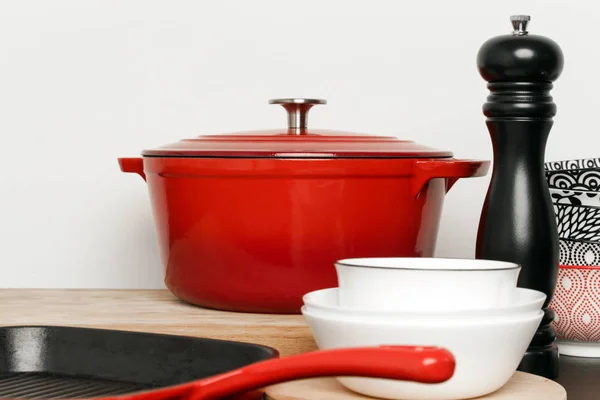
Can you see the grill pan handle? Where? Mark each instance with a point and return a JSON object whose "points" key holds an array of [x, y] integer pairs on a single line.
{"points": [[409, 363]]}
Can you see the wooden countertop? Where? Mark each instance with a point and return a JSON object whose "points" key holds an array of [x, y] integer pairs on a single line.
{"points": [[159, 311], [156, 311]]}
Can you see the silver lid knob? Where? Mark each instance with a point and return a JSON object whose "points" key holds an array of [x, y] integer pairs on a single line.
{"points": [[519, 23], [297, 110]]}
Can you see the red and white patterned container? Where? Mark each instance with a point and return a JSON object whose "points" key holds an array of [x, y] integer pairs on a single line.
{"points": [[576, 302]]}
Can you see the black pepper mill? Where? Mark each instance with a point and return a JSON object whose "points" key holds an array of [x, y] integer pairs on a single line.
{"points": [[517, 221]]}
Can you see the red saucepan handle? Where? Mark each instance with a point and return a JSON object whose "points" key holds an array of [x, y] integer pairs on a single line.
{"points": [[452, 170], [134, 165], [409, 363]]}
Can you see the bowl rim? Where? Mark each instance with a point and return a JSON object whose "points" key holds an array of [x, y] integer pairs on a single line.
{"points": [[421, 263], [548, 164], [562, 205], [341, 310], [569, 240], [433, 321], [578, 191], [579, 267]]}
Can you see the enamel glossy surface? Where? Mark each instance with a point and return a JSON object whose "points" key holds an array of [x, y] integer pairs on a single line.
{"points": [[255, 235], [425, 365], [304, 143]]}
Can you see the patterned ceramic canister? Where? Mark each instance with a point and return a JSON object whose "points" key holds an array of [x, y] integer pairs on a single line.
{"points": [[576, 303], [575, 197], [578, 222], [578, 253], [576, 179], [581, 163]]}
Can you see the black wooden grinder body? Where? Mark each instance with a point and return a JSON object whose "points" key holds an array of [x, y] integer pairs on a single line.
{"points": [[517, 221]]}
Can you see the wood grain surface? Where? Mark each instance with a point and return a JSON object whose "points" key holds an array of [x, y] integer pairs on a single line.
{"points": [[156, 311], [522, 386], [159, 311]]}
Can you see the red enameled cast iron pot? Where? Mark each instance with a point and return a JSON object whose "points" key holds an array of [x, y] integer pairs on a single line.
{"points": [[254, 220]]}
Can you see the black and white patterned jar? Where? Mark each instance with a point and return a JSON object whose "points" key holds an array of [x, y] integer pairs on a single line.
{"points": [[575, 197], [582, 163], [579, 253], [576, 179], [578, 222]]}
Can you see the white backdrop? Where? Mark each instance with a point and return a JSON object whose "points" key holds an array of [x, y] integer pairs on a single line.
{"points": [[84, 82]]}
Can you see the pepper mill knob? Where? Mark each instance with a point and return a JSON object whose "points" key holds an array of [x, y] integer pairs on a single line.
{"points": [[520, 57], [519, 23]]}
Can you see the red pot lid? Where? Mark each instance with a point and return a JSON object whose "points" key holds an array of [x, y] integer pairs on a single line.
{"points": [[297, 141]]}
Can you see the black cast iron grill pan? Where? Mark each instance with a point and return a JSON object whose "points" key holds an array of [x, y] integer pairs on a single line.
{"points": [[50, 362]]}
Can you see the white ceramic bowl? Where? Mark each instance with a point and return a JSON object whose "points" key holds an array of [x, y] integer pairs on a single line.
{"points": [[487, 350], [425, 284], [521, 300]]}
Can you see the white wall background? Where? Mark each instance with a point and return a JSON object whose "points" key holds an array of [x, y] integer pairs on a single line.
{"points": [[84, 82]]}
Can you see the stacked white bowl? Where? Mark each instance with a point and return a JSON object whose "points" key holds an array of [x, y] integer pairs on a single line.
{"points": [[473, 308]]}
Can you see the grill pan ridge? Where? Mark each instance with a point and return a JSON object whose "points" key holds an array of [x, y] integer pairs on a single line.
{"points": [[53, 362]]}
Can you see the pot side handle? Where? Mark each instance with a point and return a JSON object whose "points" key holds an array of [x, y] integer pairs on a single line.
{"points": [[133, 165], [452, 170]]}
